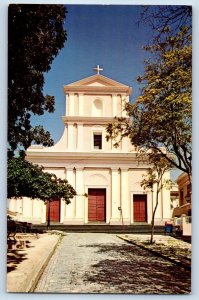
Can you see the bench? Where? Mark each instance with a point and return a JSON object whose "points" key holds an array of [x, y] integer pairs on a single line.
{"points": [[14, 227]]}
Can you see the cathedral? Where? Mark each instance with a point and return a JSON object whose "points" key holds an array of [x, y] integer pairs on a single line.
{"points": [[106, 179]]}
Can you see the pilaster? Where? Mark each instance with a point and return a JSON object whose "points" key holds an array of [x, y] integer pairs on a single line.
{"points": [[79, 213], [70, 208], [67, 105], [81, 104], [70, 136], [37, 207], [71, 105], [115, 197], [114, 105], [125, 201], [123, 104], [80, 137], [43, 214]]}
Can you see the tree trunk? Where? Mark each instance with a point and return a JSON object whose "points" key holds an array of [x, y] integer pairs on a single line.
{"points": [[48, 220], [153, 216]]}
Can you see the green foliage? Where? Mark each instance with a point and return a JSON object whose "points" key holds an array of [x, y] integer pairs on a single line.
{"points": [[35, 36], [153, 179], [28, 180], [160, 118], [159, 165]]}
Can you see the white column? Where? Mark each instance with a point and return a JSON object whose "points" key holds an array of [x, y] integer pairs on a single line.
{"points": [[114, 105], [80, 137], [124, 144], [125, 197], [124, 100], [166, 212], [67, 104], [19, 205], [62, 210], [70, 137], [43, 217], [70, 208], [115, 197], [71, 104], [12, 204], [150, 205], [81, 104], [37, 211], [79, 198], [27, 209]]}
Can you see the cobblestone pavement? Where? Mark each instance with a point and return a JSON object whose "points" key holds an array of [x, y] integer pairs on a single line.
{"points": [[102, 263]]}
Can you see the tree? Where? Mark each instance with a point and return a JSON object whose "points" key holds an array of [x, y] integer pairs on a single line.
{"points": [[154, 179], [35, 36], [160, 118], [28, 180], [163, 17]]}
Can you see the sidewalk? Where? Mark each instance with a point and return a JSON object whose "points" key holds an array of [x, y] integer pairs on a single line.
{"points": [[174, 250], [27, 260]]}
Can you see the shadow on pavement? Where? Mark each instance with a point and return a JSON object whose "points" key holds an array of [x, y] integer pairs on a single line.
{"points": [[133, 269], [16, 253]]}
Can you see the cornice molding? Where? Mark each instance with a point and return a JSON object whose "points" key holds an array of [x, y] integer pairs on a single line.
{"points": [[95, 90], [68, 157], [109, 86], [99, 78], [88, 120]]}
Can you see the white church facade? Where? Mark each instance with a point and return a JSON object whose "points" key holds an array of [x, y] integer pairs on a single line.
{"points": [[110, 176]]}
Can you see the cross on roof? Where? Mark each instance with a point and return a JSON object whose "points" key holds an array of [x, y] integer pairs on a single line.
{"points": [[98, 69]]}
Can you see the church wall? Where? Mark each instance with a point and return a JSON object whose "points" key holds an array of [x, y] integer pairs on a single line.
{"points": [[88, 133], [120, 176], [135, 178], [163, 211], [87, 138], [15, 205], [59, 172], [121, 185], [98, 178], [29, 210], [107, 106], [89, 106], [76, 105], [166, 207]]}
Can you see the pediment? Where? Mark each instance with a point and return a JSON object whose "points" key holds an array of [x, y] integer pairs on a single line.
{"points": [[97, 80]]}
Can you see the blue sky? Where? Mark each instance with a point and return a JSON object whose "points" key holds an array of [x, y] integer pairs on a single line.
{"points": [[107, 35]]}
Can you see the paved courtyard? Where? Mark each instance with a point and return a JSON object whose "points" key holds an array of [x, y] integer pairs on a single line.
{"points": [[103, 263]]}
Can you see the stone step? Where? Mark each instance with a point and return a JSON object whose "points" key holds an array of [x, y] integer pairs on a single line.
{"points": [[142, 229]]}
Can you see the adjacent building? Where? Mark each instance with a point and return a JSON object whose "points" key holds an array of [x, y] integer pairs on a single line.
{"points": [[184, 186]]}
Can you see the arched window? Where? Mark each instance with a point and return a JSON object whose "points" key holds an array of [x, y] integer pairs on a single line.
{"points": [[97, 108]]}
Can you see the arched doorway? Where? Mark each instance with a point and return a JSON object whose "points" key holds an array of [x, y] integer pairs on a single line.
{"points": [[97, 209]]}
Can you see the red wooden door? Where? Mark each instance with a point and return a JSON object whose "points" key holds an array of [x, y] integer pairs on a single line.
{"points": [[54, 213], [140, 208], [96, 204]]}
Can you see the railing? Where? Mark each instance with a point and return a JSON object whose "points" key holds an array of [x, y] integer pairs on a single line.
{"points": [[177, 221], [183, 225], [187, 219]]}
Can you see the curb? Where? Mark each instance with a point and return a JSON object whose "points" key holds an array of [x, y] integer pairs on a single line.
{"points": [[156, 253], [41, 267], [27, 278]]}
